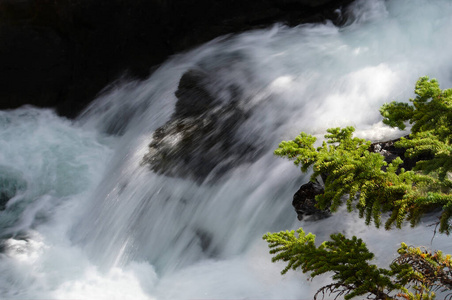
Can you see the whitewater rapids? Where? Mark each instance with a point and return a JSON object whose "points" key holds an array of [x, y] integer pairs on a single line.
{"points": [[87, 221]]}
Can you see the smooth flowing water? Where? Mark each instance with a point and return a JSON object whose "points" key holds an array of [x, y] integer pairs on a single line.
{"points": [[86, 220]]}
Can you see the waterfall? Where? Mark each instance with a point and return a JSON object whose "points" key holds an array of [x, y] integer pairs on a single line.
{"points": [[85, 218]]}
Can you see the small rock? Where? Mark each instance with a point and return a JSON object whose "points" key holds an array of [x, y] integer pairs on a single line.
{"points": [[304, 201]]}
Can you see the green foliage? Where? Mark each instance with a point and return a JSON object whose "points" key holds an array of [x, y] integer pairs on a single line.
{"points": [[364, 181], [431, 110], [425, 271], [346, 258], [430, 114], [367, 183], [356, 176], [415, 274], [396, 114]]}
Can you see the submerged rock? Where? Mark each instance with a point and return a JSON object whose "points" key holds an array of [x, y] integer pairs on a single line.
{"points": [[201, 138], [192, 94]]}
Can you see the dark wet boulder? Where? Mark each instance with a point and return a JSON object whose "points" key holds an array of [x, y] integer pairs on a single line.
{"points": [[304, 202], [193, 97], [202, 137], [391, 152], [388, 150]]}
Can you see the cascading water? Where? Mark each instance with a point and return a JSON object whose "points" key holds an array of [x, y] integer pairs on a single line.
{"points": [[83, 218]]}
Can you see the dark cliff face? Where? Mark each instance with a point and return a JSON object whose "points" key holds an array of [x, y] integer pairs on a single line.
{"points": [[61, 53]]}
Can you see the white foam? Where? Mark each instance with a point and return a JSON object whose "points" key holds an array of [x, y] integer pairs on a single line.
{"points": [[92, 223]]}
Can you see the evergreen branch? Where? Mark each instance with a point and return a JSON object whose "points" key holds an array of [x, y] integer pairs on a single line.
{"points": [[368, 184]]}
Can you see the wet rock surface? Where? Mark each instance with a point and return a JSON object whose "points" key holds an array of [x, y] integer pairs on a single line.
{"points": [[391, 152], [304, 202], [202, 138]]}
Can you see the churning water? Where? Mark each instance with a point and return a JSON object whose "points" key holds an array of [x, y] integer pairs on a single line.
{"points": [[85, 220]]}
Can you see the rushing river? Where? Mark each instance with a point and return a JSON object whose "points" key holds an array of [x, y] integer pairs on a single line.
{"points": [[86, 220]]}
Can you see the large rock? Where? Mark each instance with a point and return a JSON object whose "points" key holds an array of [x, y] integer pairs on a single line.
{"points": [[201, 138], [62, 53], [193, 96]]}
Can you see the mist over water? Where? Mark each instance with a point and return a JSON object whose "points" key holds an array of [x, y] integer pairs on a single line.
{"points": [[85, 220]]}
